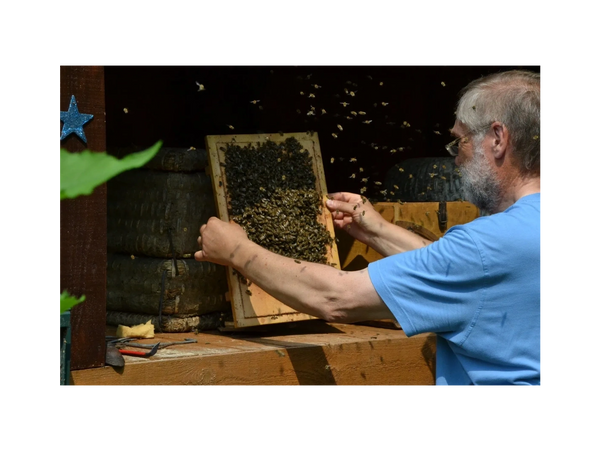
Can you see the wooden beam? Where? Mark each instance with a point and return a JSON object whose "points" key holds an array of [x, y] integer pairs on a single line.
{"points": [[83, 223], [331, 354]]}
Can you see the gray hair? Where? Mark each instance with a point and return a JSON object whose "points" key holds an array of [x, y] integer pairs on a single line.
{"points": [[513, 98]]}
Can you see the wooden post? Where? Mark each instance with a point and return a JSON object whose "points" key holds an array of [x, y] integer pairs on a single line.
{"points": [[83, 223]]}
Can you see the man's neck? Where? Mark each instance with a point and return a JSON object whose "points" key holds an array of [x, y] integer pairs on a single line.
{"points": [[519, 187]]}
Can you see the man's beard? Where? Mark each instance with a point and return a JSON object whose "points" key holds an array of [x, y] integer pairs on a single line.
{"points": [[480, 184]]}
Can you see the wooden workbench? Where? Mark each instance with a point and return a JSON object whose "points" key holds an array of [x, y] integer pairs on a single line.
{"points": [[304, 353]]}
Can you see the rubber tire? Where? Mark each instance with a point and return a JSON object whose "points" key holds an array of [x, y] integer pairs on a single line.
{"points": [[444, 185]]}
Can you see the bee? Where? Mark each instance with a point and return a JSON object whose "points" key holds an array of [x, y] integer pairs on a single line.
{"points": [[410, 176], [297, 261], [340, 127], [311, 95], [365, 180], [473, 107], [392, 193], [355, 207], [362, 112], [323, 111], [349, 118], [133, 257], [360, 170], [392, 150], [353, 113], [344, 104], [283, 177], [301, 93], [442, 177], [363, 212], [352, 160], [192, 148], [536, 137], [254, 101], [364, 199], [443, 84], [436, 132], [230, 126], [380, 83], [406, 124], [249, 293], [367, 122], [401, 169], [334, 135], [443, 166], [332, 160], [353, 176], [363, 189], [346, 90], [384, 103], [298, 111], [200, 87], [383, 191], [125, 110], [432, 175], [317, 86], [377, 183], [310, 113], [352, 93]]}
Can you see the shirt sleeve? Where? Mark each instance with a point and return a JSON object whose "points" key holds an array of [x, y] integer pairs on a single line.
{"points": [[439, 288]]}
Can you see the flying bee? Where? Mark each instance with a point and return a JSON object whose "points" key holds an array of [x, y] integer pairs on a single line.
{"points": [[334, 135], [361, 170], [406, 124], [443, 166], [367, 122], [365, 180], [346, 90], [297, 261], [410, 176], [534, 136], [377, 183], [125, 110], [363, 189], [344, 104], [323, 111], [349, 118], [363, 212], [392, 150], [310, 113], [332, 160], [340, 127], [383, 191], [432, 175], [362, 112], [317, 86], [384, 103], [353, 176], [254, 101], [353, 113], [380, 83], [352, 160], [352, 93], [311, 95], [200, 87], [436, 132], [443, 84], [401, 169], [192, 148], [230, 126]]}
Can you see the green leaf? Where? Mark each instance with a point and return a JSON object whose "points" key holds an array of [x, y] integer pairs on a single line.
{"points": [[67, 301], [81, 172]]}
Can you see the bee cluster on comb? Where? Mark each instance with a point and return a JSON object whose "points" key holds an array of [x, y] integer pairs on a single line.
{"points": [[272, 196]]}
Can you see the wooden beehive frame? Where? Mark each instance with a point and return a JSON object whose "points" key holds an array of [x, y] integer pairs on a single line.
{"points": [[255, 307]]}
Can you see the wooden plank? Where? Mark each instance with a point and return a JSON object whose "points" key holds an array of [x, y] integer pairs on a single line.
{"points": [[252, 306], [83, 223], [307, 353]]}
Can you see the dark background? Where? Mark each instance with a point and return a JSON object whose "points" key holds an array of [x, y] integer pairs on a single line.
{"points": [[164, 103]]}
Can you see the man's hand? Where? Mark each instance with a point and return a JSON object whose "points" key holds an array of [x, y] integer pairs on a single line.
{"points": [[355, 214], [219, 241]]}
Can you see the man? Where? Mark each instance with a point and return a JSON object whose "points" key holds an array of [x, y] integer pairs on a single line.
{"points": [[477, 288]]}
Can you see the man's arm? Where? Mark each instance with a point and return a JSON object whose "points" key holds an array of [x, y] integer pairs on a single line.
{"points": [[356, 215], [312, 288]]}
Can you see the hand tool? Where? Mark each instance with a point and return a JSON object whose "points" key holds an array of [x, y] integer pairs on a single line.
{"points": [[139, 353], [161, 345]]}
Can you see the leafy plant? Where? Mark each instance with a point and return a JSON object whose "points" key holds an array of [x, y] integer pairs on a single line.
{"points": [[81, 173]]}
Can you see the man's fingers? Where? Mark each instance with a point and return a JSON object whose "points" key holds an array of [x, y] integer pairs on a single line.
{"points": [[336, 205]]}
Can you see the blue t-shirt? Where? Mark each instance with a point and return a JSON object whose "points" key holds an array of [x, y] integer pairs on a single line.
{"points": [[478, 289]]}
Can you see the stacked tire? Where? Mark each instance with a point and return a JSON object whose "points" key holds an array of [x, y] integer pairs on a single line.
{"points": [[153, 219]]}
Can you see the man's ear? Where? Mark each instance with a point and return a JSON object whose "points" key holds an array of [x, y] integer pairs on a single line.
{"points": [[500, 139]]}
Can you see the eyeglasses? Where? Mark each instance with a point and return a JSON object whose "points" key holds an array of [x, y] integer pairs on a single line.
{"points": [[452, 147]]}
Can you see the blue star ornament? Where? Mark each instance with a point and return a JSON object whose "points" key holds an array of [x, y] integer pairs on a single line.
{"points": [[74, 121]]}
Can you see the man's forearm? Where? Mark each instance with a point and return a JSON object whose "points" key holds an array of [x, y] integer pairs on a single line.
{"points": [[393, 239], [306, 287]]}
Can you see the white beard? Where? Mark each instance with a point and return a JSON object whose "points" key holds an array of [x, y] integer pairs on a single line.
{"points": [[480, 184]]}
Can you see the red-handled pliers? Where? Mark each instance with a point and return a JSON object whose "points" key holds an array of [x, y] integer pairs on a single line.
{"points": [[140, 353]]}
